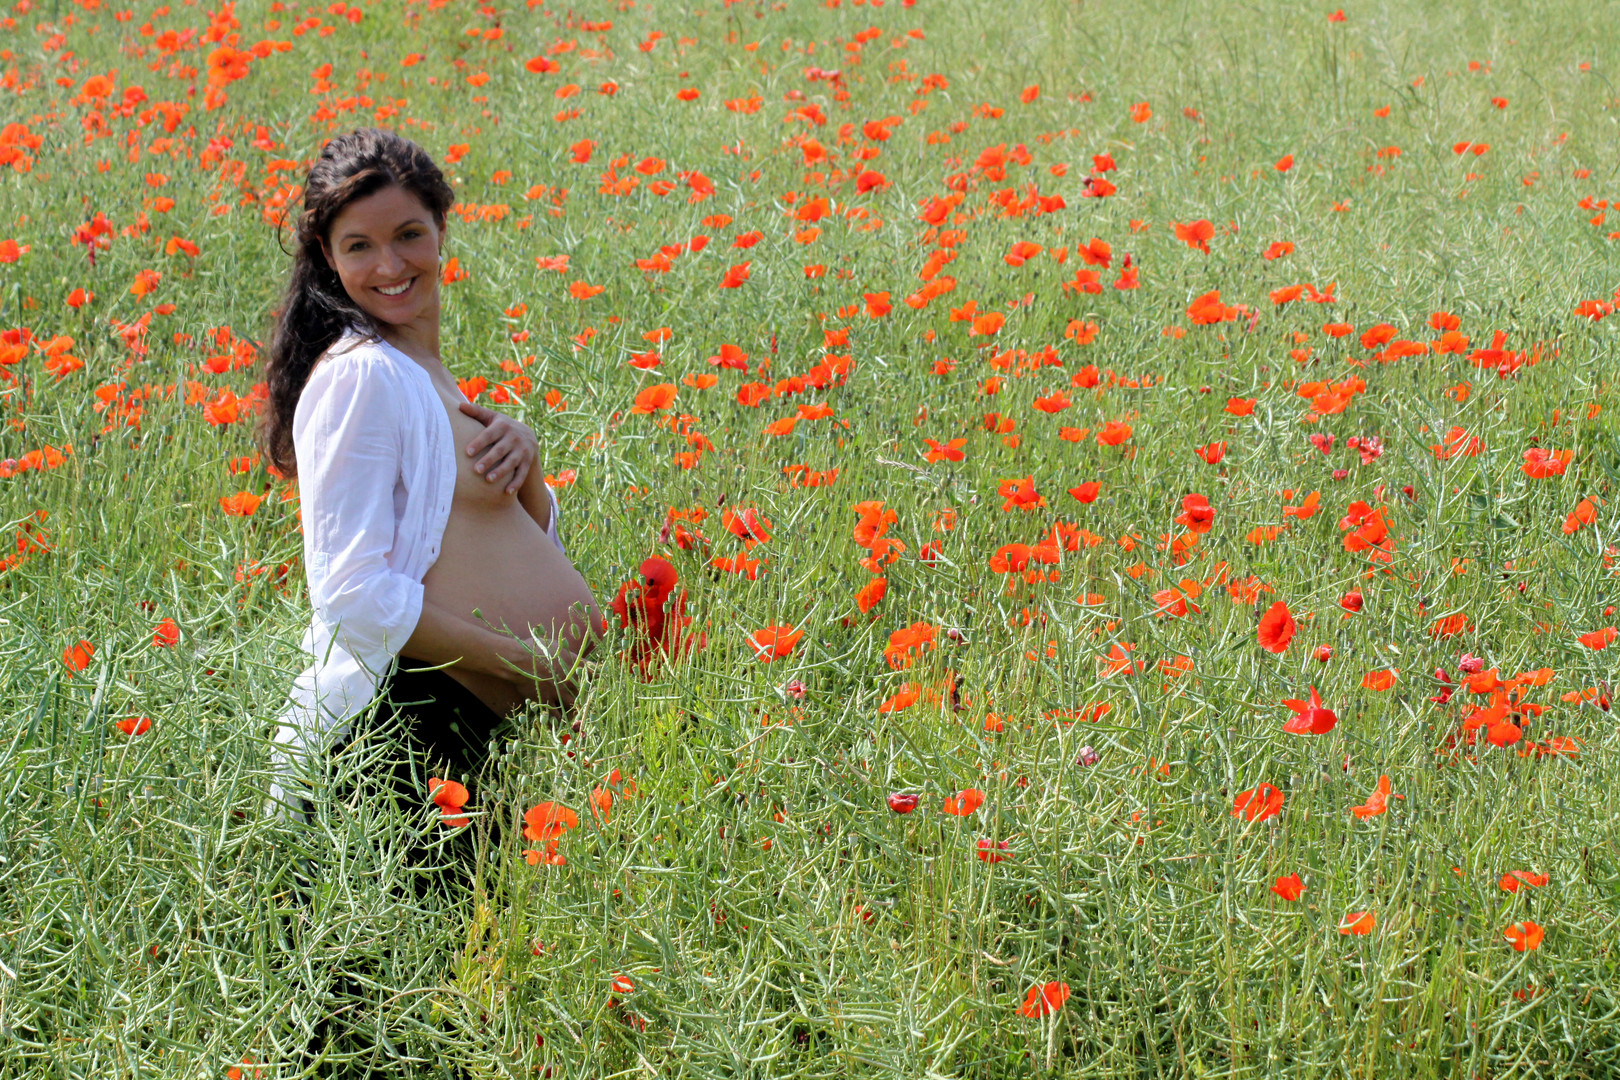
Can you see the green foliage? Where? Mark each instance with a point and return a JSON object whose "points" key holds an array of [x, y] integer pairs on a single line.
{"points": [[774, 916]]}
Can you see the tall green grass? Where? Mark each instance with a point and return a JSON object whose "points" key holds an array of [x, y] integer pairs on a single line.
{"points": [[774, 916]]}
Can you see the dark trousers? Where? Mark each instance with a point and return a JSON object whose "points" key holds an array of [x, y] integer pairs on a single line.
{"points": [[425, 725]]}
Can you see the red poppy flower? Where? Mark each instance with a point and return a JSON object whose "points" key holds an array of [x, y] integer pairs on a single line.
{"points": [[1378, 802], [1258, 803], [991, 852], [1197, 234], [1044, 999], [1310, 717], [1196, 514], [904, 698], [963, 802], [774, 642], [1511, 880], [1276, 628], [1540, 464], [1599, 639], [1290, 888], [903, 802], [546, 824], [1379, 680], [449, 797], [1524, 936], [77, 657], [1358, 922]]}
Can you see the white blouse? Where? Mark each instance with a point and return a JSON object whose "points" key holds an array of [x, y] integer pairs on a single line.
{"points": [[376, 474]]}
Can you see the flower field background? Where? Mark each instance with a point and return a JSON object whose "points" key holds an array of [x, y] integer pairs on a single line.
{"points": [[1107, 509]]}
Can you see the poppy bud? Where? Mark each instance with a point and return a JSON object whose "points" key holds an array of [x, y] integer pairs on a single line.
{"points": [[1351, 601], [1409, 493], [1471, 664], [1088, 756], [902, 802], [1340, 474]]}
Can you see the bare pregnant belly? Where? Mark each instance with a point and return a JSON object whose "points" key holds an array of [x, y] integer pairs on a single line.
{"points": [[495, 559]]}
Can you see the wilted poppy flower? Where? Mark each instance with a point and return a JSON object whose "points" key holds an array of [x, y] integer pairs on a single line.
{"points": [[1524, 936], [1290, 888], [1044, 999], [963, 802]]}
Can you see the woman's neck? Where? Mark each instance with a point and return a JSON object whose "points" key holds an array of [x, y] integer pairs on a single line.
{"points": [[419, 343]]}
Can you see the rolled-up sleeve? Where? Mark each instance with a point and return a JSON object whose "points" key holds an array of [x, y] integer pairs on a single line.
{"points": [[347, 436]]}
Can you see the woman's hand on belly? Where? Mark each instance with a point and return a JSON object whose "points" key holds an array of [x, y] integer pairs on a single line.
{"points": [[495, 560]]}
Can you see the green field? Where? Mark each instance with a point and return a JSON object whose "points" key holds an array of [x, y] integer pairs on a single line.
{"points": [[994, 224]]}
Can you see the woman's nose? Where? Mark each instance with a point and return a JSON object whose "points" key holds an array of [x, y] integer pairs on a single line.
{"points": [[390, 262]]}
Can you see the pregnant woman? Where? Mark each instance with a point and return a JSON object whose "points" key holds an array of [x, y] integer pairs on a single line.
{"points": [[443, 601]]}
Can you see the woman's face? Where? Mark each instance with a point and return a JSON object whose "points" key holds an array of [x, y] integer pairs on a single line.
{"points": [[385, 241]]}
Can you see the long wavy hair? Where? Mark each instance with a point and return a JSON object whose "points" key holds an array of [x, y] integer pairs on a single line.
{"points": [[316, 309]]}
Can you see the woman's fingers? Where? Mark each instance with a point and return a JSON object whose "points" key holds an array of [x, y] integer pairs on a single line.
{"points": [[505, 459], [518, 476], [498, 462]]}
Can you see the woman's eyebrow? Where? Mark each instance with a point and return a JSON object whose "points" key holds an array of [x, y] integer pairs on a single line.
{"points": [[362, 236]]}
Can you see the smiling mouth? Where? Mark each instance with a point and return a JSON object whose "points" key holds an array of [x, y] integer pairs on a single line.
{"points": [[398, 290]]}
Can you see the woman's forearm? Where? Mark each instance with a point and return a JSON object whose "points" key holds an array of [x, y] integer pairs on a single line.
{"points": [[444, 637]]}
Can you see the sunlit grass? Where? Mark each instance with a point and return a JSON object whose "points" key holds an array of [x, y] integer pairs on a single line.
{"points": [[767, 912]]}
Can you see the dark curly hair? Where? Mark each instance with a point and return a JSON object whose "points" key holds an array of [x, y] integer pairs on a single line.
{"points": [[316, 309]]}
